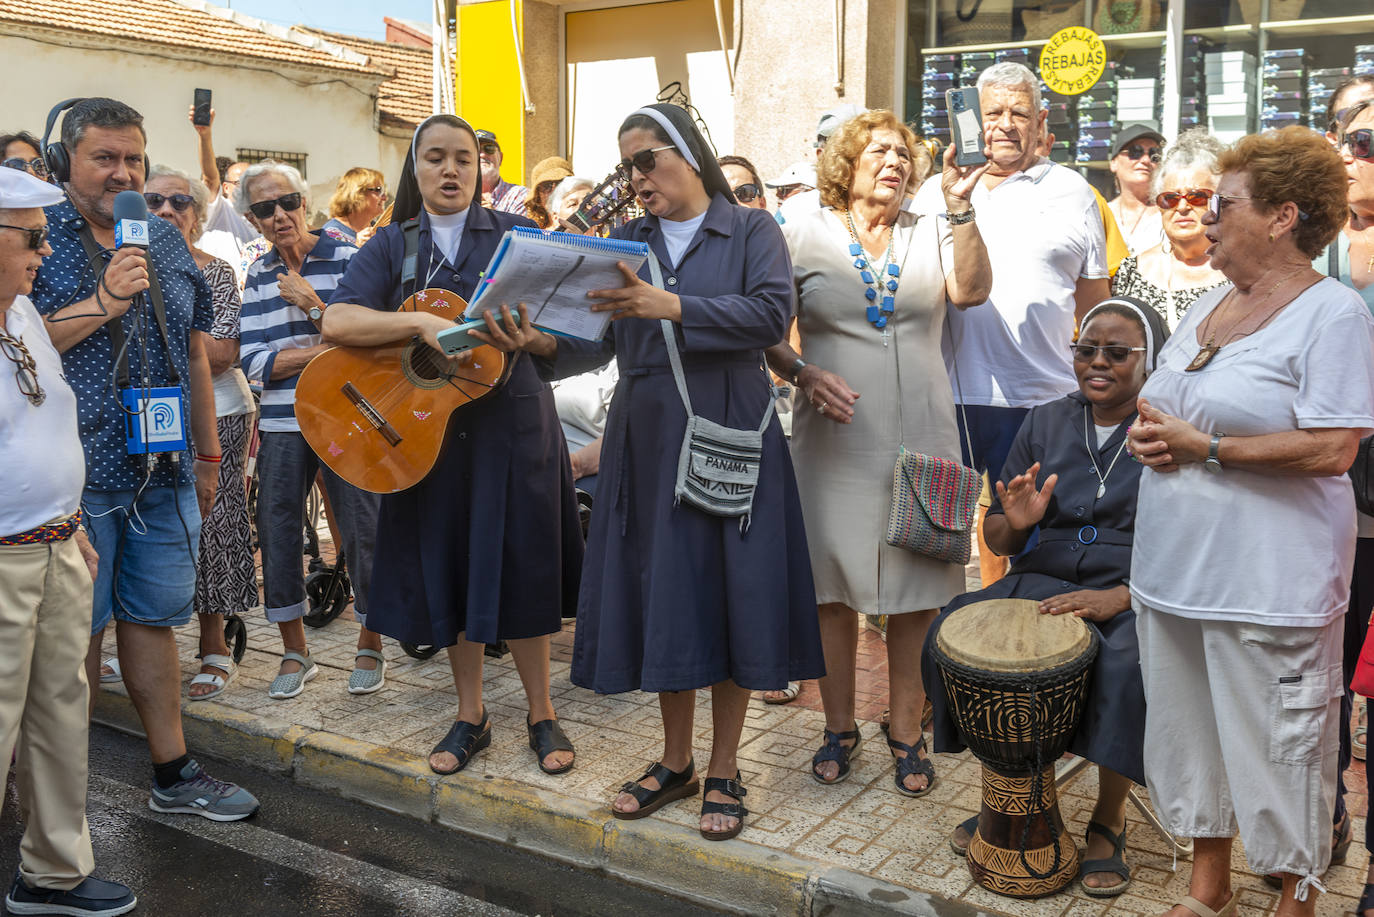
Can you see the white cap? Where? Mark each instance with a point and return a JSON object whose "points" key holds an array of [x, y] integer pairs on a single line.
{"points": [[798, 173], [19, 190], [833, 118]]}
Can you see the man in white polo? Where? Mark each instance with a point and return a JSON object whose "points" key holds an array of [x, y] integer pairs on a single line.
{"points": [[46, 569]]}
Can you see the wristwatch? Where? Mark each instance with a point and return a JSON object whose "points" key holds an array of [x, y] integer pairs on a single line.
{"points": [[315, 313], [1212, 463], [959, 219], [797, 367]]}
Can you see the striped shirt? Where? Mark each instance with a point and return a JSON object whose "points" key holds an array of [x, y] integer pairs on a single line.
{"points": [[269, 324], [509, 198]]}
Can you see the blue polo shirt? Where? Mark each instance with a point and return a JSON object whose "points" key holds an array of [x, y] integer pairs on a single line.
{"points": [[65, 278]]}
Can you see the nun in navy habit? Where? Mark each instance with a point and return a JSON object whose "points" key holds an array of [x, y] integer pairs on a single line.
{"points": [[1070, 480], [675, 598], [488, 546]]}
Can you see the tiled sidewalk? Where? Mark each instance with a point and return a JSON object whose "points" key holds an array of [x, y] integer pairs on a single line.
{"points": [[863, 824]]}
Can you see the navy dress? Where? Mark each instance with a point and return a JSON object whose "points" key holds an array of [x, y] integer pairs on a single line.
{"points": [[1112, 733], [673, 598], [489, 542]]}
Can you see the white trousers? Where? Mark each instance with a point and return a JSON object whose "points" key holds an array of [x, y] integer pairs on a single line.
{"points": [[1242, 725]]}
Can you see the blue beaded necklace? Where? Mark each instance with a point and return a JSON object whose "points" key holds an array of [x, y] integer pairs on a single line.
{"points": [[880, 283]]}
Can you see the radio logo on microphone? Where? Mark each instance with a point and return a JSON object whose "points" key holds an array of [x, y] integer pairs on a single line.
{"points": [[131, 232]]}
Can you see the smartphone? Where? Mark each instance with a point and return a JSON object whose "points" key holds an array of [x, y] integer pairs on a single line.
{"points": [[965, 125], [455, 340], [202, 115]]}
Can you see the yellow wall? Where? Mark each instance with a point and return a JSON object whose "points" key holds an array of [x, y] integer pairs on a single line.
{"points": [[487, 84]]}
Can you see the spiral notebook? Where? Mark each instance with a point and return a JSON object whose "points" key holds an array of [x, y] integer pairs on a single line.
{"points": [[551, 274]]}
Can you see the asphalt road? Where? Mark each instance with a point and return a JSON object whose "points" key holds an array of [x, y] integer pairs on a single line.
{"points": [[309, 854]]}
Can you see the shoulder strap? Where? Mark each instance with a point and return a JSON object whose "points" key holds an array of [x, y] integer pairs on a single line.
{"points": [[410, 231], [115, 326]]}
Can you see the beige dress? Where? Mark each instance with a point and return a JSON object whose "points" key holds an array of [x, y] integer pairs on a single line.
{"points": [[844, 471]]}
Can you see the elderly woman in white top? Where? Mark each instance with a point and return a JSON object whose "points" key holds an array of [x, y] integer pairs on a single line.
{"points": [[1172, 272], [1245, 528]]}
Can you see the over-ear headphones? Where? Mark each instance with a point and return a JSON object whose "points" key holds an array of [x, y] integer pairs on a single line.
{"points": [[58, 157]]}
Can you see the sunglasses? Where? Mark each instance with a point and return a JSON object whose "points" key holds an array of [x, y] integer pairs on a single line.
{"points": [[26, 370], [746, 194], [179, 202], [1359, 143], [1196, 197], [644, 160], [36, 236], [489, 147], [1135, 151], [377, 190], [36, 165], [263, 210], [1115, 353]]}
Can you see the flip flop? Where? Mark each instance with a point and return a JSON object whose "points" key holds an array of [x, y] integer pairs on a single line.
{"points": [[113, 665], [1202, 910]]}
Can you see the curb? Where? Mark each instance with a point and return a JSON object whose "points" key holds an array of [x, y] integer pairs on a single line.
{"points": [[738, 876]]}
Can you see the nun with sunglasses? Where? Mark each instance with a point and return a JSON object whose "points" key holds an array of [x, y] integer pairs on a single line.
{"points": [[1069, 480], [681, 592], [488, 547]]}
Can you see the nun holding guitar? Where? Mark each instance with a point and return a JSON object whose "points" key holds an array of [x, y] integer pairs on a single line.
{"points": [[487, 546]]}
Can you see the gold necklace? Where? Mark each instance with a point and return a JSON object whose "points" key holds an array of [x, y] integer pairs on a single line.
{"points": [[1210, 349]]}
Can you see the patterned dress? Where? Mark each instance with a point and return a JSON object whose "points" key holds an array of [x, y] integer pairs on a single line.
{"points": [[1172, 304], [226, 583]]}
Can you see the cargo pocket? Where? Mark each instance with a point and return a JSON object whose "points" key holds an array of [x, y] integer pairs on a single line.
{"points": [[1300, 719]]}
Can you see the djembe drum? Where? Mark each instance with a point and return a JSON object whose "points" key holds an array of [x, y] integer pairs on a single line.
{"points": [[1016, 681]]}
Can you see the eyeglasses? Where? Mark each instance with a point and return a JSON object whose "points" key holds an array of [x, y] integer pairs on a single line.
{"points": [[1115, 353], [644, 160], [179, 202], [378, 190], [36, 236], [263, 210], [746, 194], [489, 147], [1135, 151], [1196, 197], [36, 165], [1359, 142], [26, 372], [1218, 200]]}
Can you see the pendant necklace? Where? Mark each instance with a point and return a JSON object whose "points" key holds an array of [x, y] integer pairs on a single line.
{"points": [[1092, 454], [878, 281], [1210, 349]]}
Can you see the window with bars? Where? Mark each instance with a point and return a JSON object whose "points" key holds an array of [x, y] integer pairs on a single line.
{"points": [[291, 159]]}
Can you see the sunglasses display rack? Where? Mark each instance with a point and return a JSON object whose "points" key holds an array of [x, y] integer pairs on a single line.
{"points": [[1364, 59], [1284, 90], [1231, 102], [942, 72], [1099, 115], [1192, 83], [1321, 86]]}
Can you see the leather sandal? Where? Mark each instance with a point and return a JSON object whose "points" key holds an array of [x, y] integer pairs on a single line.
{"points": [[912, 764], [464, 740], [672, 786], [927, 717], [547, 737], [1202, 910], [735, 790], [835, 750], [1116, 863], [969, 826]]}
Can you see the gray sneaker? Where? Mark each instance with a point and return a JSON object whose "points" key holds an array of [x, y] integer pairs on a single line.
{"points": [[200, 794]]}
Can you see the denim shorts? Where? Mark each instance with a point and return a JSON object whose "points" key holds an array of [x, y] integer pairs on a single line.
{"points": [[147, 571]]}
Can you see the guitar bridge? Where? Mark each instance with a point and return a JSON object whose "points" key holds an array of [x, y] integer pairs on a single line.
{"points": [[371, 414]]}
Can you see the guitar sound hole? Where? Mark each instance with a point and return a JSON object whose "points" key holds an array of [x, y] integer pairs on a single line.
{"points": [[423, 366]]}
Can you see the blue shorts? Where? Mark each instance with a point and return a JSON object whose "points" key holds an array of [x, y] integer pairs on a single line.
{"points": [[992, 431], [147, 571]]}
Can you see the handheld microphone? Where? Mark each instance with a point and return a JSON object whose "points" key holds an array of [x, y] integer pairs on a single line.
{"points": [[131, 220]]}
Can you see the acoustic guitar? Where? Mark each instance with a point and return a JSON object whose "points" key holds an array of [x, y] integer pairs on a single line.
{"points": [[377, 415]]}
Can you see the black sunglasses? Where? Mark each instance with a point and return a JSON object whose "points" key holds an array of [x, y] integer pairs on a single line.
{"points": [[746, 194], [36, 165], [36, 236], [26, 370], [489, 147], [1359, 142], [263, 210], [179, 202], [1115, 353], [1135, 151], [644, 160], [377, 190]]}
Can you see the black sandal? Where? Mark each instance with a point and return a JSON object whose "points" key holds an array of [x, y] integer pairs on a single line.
{"points": [[970, 827], [1116, 863], [735, 790], [912, 764], [547, 737], [672, 785], [463, 741], [833, 750]]}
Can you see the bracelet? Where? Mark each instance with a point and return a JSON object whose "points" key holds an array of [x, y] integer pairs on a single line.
{"points": [[797, 367], [212, 459], [959, 219]]}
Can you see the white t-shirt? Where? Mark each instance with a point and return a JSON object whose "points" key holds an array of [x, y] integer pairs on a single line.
{"points": [[40, 448], [583, 401], [221, 215], [677, 235], [446, 231], [1244, 546], [1044, 233]]}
